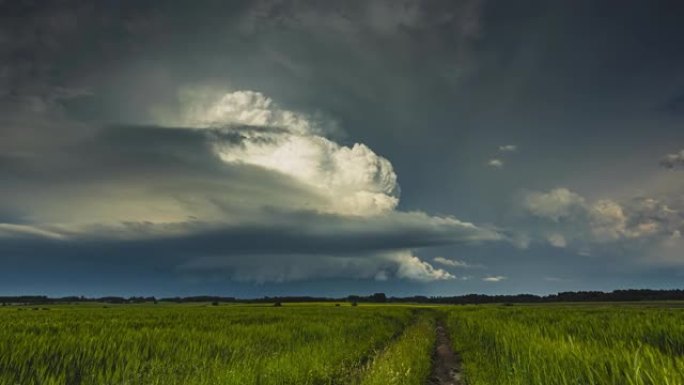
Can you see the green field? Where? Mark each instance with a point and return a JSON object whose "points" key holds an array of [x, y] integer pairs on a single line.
{"points": [[327, 344]]}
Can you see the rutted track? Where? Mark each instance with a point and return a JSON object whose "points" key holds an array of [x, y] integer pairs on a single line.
{"points": [[446, 369]]}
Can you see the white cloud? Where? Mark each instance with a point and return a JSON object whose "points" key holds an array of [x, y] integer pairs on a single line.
{"points": [[240, 187], [607, 219], [453, 263], [211, 108], [411, 267], [498, 162], [557, 240], [496, 278], [495, 163], [354, 179], [568, 219], [9, 230], [556, 204]]}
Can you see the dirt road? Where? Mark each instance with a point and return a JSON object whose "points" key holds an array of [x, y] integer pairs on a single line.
{"points": [[446, 368]]}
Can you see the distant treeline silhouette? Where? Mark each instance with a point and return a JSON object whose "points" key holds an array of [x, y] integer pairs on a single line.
{"points": [[569, 296]]}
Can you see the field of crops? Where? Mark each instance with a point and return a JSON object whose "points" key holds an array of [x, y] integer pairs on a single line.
{"points": [[327, 344], [554, 345], [194, 345]]}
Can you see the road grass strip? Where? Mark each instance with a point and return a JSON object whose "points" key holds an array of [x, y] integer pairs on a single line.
{"points": [[408, 360]]}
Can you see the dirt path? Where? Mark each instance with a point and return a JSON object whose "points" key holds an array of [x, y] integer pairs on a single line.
{"points": [[446, 369]]}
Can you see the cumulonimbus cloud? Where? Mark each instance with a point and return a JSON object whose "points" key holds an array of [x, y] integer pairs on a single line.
{"points": [[238, 184], [354, 179]]}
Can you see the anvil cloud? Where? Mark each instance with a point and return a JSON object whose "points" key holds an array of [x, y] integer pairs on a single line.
{"points": [[238, 176], [277, 147]]}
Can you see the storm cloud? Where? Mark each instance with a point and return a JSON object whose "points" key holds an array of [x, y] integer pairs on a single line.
{"points": [[283, 146], [241, 178], [673, 160]]}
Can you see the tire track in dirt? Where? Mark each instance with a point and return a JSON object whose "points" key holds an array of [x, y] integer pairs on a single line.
{"points": [[446, 364]]}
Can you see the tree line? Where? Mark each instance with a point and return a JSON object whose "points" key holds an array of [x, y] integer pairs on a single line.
{"points": [[568, 296]]}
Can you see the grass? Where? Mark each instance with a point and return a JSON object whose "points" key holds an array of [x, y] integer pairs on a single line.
{"points": [[193, 345], [558, 345], [322, 344], [407, 361]]}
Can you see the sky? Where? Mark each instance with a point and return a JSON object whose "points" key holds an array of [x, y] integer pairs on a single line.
{"points": [[277, 147]]}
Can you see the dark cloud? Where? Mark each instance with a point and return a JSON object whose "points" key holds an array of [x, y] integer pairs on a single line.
{"points": [[290, 240], [106, 158], [673, 160], [675, 104], [288, 233], [174, 197]]}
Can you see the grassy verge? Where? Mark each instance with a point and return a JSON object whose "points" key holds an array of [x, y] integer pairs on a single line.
{"points": [[182, 345], [567, 346], [408, 360]]}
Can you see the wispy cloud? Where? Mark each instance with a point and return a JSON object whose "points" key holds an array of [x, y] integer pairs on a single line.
{"points": [[556, 279], [496, 278], [495, 163], [508, 148], [455, 263]]}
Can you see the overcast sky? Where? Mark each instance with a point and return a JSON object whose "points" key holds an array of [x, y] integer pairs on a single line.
{"points": [[331, 148]]}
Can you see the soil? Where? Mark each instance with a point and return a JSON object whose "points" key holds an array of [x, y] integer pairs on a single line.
{"points": [[446, 364]]}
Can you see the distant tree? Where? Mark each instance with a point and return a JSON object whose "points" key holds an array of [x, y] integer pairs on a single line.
{"points": [[119, 300], [378, 297], [355, 303], [215, 303], [277, 304]]}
